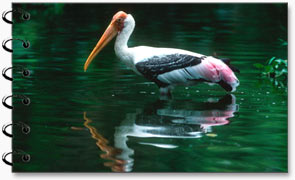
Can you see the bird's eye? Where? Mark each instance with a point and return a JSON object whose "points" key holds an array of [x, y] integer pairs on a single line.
{"points": [[119, 20]]}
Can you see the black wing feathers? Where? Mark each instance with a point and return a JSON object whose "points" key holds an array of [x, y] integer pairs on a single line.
{"points": [[156, 65]]}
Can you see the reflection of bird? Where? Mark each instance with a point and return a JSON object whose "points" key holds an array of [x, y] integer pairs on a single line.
{"points": [[167, 120], [164, 66], [116, 164]]}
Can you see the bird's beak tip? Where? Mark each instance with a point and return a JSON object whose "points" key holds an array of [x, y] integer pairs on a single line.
{"points": [[107, 36]]}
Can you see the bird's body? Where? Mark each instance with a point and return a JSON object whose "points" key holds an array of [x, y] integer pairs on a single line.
{"points": [[166, 67]]}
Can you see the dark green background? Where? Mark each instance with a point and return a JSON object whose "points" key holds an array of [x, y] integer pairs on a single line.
{"points": [[116, 99]]}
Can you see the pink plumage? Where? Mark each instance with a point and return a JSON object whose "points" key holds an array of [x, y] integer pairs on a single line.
{"points": [[210, 70], [216, 71]]}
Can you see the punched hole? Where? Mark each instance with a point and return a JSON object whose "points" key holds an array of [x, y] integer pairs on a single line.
{"points": [[26, 73], [26, 158], [26, 130], [26, 44], [26, 101], [26, 16]]}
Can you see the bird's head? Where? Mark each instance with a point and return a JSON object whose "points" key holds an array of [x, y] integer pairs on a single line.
{"points": [[116, 26]]}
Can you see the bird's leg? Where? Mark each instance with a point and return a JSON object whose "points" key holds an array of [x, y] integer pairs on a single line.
{"points": [[165, 93]]}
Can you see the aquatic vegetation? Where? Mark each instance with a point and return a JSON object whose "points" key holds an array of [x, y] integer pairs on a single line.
{"points": [[276, 69]]}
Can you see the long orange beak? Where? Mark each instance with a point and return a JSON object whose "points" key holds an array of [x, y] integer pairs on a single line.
{"points": [[107, 36]]}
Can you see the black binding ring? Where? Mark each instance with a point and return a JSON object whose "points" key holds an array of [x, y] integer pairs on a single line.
{"points": [[25, 156], [25, 100], [25, 15], [25, 72], [26, 44], [25, 128]]}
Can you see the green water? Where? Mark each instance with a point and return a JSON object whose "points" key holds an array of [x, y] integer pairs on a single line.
{"points": [[110, 119]]}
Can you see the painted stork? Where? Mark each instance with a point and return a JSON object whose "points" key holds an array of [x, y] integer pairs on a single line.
{"points": [[166, 67]]}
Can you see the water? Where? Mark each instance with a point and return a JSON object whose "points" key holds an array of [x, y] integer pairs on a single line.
{"points": [[110, 119]]}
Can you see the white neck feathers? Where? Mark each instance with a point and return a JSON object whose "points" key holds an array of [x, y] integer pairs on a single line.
{"points": [[121, 47]]}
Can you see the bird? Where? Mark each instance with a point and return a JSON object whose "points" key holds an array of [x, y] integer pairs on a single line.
{"points": [[166, 67]]}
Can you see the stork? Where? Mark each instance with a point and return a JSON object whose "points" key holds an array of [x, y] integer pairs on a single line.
{"points": [[167, 67]]}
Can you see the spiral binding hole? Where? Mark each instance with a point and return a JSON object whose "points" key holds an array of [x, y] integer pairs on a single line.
{"points": [[25, 15], [24, 156], [25, 44], [25, 100], [25, 72], [25, 129]]}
